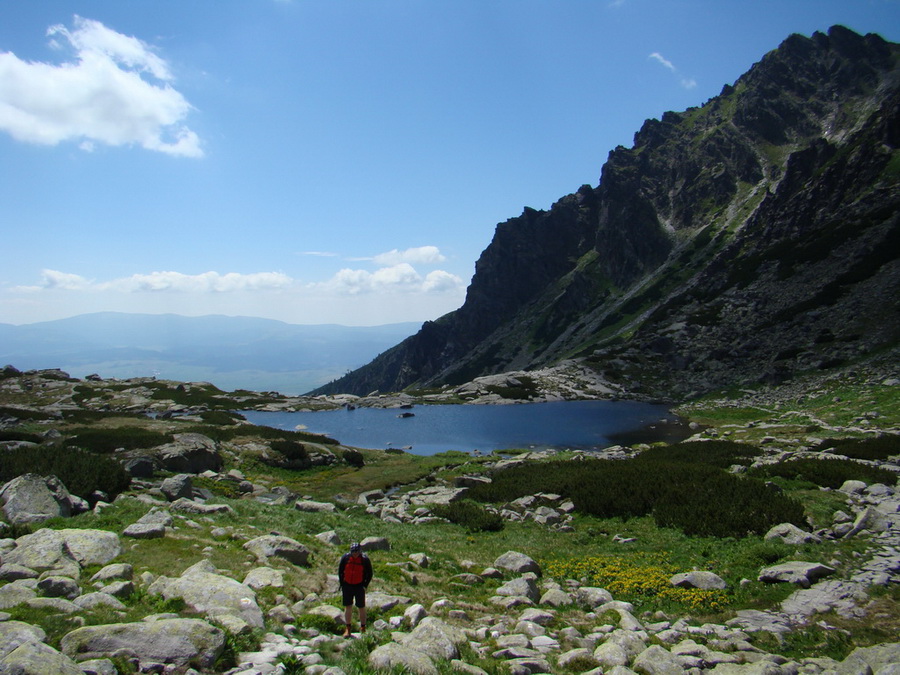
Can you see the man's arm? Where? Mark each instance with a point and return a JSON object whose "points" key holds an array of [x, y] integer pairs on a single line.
{"points": [[367, 571]]}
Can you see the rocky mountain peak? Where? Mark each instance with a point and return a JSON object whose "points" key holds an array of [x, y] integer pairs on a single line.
{"points": [[724, 247]]}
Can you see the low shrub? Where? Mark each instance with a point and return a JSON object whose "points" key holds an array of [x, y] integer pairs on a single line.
{"points": [[105, 441], [470, 515], [722, 454], [696, 498], [291, 455], [879, 448], [81, 472], [354, 458], [825, 472]]}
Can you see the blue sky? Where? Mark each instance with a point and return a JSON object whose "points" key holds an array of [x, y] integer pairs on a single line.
{"points": [[327, 161]]}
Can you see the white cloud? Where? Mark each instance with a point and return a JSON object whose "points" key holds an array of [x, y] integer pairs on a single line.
{"points": [[401, 277], [686, 82], [423, 255], [659, 57], [101, 96], [208, 282]]}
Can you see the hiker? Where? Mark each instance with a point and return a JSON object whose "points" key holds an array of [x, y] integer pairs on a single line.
{"points": [[354, 574]]}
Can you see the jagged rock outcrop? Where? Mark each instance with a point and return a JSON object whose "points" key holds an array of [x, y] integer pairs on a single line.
{"points": [[740, 241]]}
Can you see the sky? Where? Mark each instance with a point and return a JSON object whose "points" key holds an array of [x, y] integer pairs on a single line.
{"points": [[329, 161]]}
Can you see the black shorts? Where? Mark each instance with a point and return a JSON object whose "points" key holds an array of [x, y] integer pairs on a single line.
{"points": [[351, 592]]}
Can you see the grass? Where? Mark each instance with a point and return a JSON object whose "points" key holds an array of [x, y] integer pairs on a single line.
{"points": [[637, 571]]}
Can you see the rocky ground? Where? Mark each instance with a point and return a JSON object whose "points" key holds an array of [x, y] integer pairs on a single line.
{"points": [[504, 615]]}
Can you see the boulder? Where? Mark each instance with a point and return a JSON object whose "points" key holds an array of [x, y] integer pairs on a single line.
{"points": [[189, 453], [278, 546], [114, 571], [59, 587], [791, 534], [414, 614], [656, 660], [145, 531], [36, 658], [206, 591], [64, 549], [91, 601], [177, 487], [795, 572], [516, 562], [522, 586], [15, 594], [592, 596], [264, 577], [392, 655], [375, 544], [182, 642], [435, 638], [310, 506], [31, 498], [199, 508], [15, 633], [330, 537], [707, 581]]}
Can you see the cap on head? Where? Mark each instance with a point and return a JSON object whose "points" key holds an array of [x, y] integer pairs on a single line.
{"points": [[355, 547]]}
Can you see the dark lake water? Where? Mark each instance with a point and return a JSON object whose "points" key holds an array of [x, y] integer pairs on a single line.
{"points": [[437, 428]]}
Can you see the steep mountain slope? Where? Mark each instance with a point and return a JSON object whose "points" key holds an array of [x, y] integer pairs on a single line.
{"points": [[740, 241]]}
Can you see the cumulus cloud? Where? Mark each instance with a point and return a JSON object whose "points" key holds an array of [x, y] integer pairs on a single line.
{"points": [[401, 277], [116, 91], [686, 82], [208, 282], [421, 255]]}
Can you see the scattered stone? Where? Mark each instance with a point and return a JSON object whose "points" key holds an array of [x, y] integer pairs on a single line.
{"points": [[795, 572], [516, 562], [271, 545], [699, 579]]}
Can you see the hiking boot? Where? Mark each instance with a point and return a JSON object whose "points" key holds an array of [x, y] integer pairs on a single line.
{"points": [[362, 628], [347, 631]]}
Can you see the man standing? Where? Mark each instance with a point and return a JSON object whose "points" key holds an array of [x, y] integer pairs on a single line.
{"points": [[354, 574]]}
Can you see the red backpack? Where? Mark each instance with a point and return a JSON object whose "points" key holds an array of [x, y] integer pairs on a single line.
{"points": [[353, 570]]}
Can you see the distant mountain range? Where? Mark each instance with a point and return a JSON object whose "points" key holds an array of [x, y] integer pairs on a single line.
{"points": [[736, 243], [230, 352]]}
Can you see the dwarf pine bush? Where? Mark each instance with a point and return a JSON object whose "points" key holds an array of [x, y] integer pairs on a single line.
{"points": [[878, 448], [81, 472], [698, 499], [826, 472], [470, 515]]}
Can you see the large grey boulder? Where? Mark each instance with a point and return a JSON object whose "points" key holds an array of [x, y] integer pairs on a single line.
{"points": [[592, 596], [62, 549], [36, 658], [516, 562], [523, 587], [278, 546], [393, 655], [877, 659], [182, 642], [31, 498], [707, 581], [434, 637], [795, 572], [15, 594], [791, 534], [16, 633], [219, 597], [177, 487], [189, 453], [310, 506], [656, 660]]}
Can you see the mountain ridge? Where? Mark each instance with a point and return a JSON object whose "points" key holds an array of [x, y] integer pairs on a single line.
{"points": [[741, 241]]}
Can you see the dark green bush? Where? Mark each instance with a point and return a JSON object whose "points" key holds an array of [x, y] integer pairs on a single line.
{"points": [[354, 458], [825, 472], [291, 455], [879, 448], [105, 441], [722, 454], [470, 515], [221, 417], [695, 498], [81, 472], [21, 414], [20, 436]]}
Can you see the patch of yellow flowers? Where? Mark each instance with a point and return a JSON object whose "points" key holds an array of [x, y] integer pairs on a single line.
{"points": [[637, 579]]}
